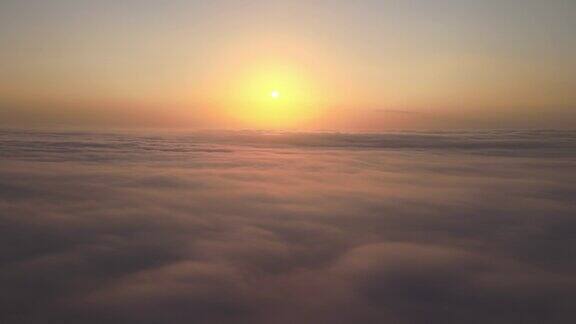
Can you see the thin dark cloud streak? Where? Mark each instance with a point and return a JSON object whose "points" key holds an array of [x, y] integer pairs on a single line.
{"points": [[252, 227]]}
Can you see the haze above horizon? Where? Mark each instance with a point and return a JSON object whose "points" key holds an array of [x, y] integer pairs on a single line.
{"points": [[298, 65]]}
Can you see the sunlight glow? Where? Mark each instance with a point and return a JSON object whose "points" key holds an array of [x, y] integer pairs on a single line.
{"points": [[272, 97]]}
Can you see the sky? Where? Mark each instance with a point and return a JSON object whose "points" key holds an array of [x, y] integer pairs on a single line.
{"points": [[336, 65]]}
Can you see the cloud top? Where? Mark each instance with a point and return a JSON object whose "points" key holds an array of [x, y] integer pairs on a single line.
{"points": [[221, 227]]}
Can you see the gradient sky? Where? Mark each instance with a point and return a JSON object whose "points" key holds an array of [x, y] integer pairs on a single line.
{"points": [[350, 65]]}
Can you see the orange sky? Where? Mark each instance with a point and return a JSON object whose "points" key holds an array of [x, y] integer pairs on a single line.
{"points": [[368, 65]]}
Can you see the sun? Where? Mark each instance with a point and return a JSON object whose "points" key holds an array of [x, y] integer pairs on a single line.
{"points": [[271, 97]]}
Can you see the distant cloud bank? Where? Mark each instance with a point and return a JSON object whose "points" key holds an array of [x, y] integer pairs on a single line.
{"points": [[277, 228]]}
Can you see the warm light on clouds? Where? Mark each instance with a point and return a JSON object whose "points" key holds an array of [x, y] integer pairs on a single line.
{"points": [[247, 228]]}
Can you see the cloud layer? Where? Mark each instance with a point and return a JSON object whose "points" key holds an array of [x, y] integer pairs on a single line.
{"points": [[288, 228]]}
